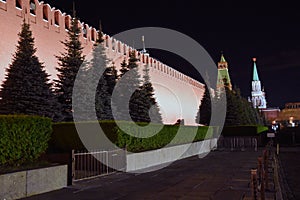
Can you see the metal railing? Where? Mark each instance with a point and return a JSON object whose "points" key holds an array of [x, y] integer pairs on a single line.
{"points": [[238, 143], [86, 165]]}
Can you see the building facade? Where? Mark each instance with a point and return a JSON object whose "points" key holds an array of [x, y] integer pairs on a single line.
{"points": [[290, 115]]}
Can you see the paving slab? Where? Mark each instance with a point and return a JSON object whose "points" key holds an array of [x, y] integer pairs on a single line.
{"points": [[220, 175]]}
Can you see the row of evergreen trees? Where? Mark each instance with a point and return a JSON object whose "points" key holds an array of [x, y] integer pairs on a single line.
{"points": [[27, 90], [239, 111]]}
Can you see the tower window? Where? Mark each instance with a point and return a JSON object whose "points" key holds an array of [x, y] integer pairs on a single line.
{"points": [[45, 12], [19, 4], [32, 7]]}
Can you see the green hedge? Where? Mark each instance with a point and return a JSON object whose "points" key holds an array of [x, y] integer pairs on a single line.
{"points": [[250, 130], [65, 137], [23, 138]]}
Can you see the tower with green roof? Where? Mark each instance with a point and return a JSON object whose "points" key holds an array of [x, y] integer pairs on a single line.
{"points": [[258, 95], [223, 75]]}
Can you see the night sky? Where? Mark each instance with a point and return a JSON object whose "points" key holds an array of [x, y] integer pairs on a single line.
{"points": [[242, 30]]}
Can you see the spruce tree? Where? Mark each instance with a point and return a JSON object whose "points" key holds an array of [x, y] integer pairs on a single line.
{"points": [[232, 112], [99, 63], [129, 83], [69, 64], [26, 89], [124, 68], [104, 93], [148, 108], [204, 112]]}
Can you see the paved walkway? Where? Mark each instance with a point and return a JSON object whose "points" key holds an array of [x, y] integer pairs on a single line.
{"points": [[221, 175]]}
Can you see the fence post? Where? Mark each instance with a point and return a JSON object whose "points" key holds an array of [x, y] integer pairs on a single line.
{"points": [[266, 166], [107, 162], [261, 175], [254, 184], [255, 143], [73, 166]]}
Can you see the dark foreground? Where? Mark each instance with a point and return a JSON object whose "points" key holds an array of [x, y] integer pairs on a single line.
{"points": [[220, 175], [290, 167]]}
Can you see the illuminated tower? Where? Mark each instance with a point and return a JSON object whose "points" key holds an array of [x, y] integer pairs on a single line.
{"points": [[258, 95], [223, 74]]}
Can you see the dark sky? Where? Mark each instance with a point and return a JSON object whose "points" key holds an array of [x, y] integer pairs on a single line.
{"points": [[242, 30]]}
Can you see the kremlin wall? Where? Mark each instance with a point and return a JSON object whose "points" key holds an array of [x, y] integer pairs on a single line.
{"points": [[49, 26]]}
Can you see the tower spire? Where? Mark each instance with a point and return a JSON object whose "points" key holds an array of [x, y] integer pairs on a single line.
{"points": [[255, 74], [100, 35], [143, 40], [144, 51], [74, 10], [222, 57]]}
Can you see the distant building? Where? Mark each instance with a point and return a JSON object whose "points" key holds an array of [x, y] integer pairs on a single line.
{"points": [[258, 95], [290, 115], [271, 114]]}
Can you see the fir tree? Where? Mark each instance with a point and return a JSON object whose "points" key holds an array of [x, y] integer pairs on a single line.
{"points": [[100, 95], [239, 110], [128, 90], [204, 112], [148, 108], [69, 64], [232, 112], [26, 89], [104, 93], [124, 68]]}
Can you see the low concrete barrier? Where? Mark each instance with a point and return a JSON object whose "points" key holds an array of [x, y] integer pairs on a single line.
{"points": [[144, 160], [27, 183]]}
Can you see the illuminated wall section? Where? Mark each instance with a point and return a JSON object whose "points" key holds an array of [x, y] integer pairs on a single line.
{"points": [[177, 94]]}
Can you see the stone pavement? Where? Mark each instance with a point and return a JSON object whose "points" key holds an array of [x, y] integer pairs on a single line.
{"points": [[221, 175]]}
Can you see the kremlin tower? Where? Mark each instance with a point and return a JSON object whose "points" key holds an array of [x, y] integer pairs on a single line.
{"points": [[258, 95], [223, 74]]}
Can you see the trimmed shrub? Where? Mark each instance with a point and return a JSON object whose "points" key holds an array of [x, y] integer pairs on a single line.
{"points": [[162, 138], [250, 130], [23, 138], [65, 136]]}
